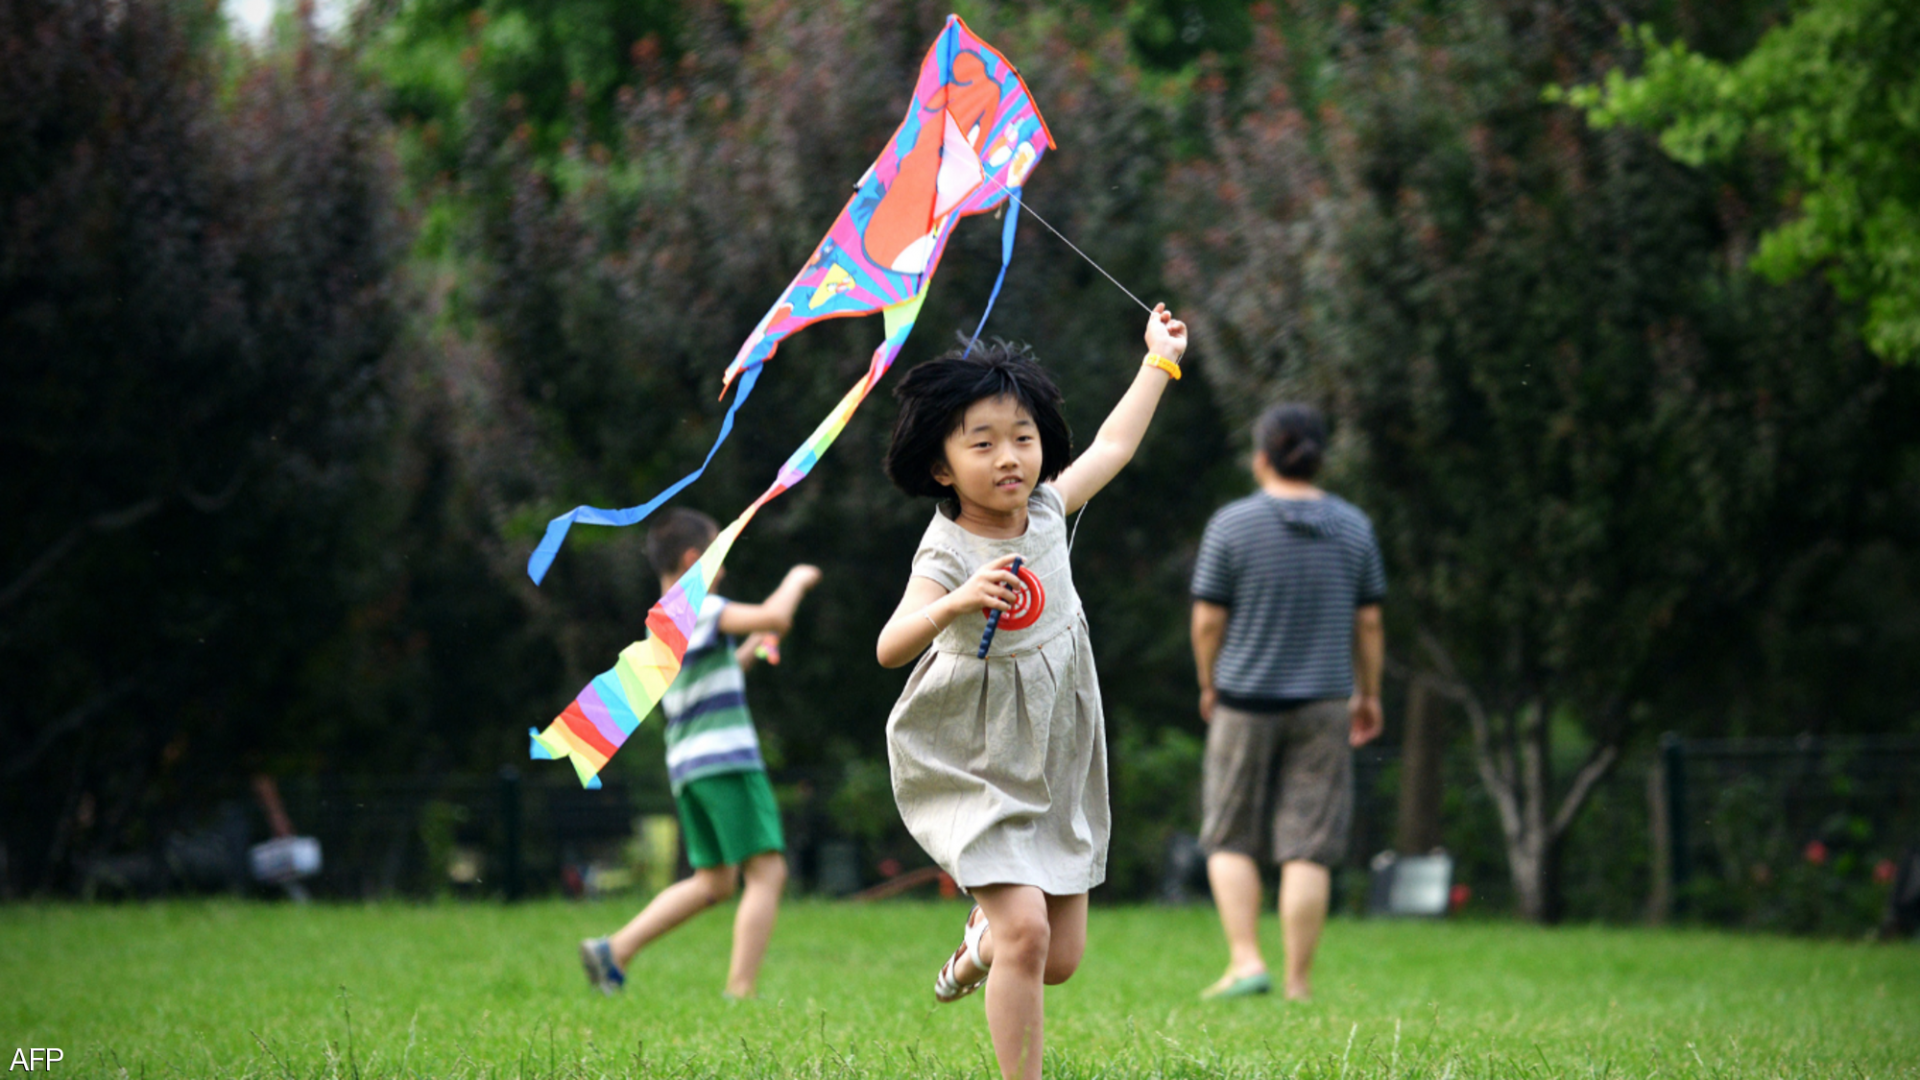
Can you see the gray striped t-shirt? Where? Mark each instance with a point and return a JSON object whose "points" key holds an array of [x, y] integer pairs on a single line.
{"points": [[1291, 571]]}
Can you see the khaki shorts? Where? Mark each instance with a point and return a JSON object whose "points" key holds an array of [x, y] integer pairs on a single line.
{"points": [[1279, 783]]}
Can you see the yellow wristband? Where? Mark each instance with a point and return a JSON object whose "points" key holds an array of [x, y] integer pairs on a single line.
{"points": [[1161, 362]]}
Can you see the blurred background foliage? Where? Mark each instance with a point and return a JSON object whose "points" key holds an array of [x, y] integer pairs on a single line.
{"points": [[307, 337]]}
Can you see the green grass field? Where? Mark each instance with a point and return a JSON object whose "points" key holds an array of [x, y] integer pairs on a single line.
{"points": [[255, 990]]}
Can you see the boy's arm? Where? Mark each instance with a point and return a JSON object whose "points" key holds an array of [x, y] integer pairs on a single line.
{"points": [[775, 613], [748, 651], [1120, 436]]}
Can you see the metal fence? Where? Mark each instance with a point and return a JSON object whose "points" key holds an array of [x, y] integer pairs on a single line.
{"points": [[1800, 835], [504, 835], [516, 835], [1804, 835]]}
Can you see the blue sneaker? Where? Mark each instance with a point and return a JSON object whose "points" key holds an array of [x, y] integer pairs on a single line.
{"points": [[605, 975]]}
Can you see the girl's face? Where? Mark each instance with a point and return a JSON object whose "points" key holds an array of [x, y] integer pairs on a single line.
{"points": [[993, 458]]}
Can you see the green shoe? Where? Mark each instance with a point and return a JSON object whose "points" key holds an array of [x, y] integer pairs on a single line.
{"points": [[1246, 986]]}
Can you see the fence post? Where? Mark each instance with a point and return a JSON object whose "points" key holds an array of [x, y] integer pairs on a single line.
{"points": [[510, 831], [1660, 858], [1423, 750], [1673, 762]]}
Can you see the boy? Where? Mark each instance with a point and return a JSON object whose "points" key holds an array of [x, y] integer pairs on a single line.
{"points": [[727, 811]]}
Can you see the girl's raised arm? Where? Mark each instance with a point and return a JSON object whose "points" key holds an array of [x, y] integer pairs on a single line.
{"points": [[1120, 436]]}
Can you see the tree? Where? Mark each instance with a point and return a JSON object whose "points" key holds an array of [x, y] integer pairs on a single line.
{"points": [[195, 290], [1571, 417], [565, 60], [1832, 93]]}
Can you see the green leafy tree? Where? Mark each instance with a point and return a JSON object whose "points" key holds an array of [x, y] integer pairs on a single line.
{"points": [[564, 61], [1833, 94]]}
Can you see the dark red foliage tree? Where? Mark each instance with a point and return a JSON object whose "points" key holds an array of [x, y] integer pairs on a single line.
{"points": [[196, 253]]}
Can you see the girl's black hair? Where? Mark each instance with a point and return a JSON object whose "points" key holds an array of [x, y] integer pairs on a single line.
{"points": [[1294, 438], [934, 399]]}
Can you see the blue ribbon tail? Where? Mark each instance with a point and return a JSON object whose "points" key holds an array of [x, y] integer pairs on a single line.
{"points": [[542, 558], [1006, 256]]}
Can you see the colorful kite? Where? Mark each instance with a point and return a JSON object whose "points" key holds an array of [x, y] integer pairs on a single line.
{"points": [[969, 141]]}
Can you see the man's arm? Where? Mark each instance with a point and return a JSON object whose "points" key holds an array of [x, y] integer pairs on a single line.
{"points": [[1209, 630], [1369, 657], [775, 613]]}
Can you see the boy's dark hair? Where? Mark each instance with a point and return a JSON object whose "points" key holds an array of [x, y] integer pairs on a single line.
{"points": [[934, 398], [1294, 438], [675, 532]]}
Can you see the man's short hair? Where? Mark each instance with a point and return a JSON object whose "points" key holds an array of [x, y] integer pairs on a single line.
{"points": [[1294, 438], [676, 532]]}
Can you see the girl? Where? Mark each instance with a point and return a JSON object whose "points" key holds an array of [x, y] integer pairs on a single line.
{"points": [[999, 765]]}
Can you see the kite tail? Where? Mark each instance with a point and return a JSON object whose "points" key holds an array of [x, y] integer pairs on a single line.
{"points": [[592, 729], [542, 558], [1006, 256]]}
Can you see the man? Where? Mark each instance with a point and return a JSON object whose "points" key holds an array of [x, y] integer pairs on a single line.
{"points": [[1288, 645]]}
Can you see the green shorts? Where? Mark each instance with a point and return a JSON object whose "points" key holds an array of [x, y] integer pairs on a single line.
{"points": [[727, 819]]}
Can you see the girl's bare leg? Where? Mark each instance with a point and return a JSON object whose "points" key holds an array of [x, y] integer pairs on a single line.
{"points": [[1068, 917], [1033, 941], [766, 876], [1022, 937], [674, 905]]}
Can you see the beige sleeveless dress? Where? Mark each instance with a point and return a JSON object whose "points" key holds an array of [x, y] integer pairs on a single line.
{"points": [[1000, 765]]}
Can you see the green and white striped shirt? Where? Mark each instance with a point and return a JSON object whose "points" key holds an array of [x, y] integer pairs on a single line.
{"points": [[709, 730]]}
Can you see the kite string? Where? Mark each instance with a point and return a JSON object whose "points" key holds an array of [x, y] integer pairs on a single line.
{"points": [[1021, 203]]}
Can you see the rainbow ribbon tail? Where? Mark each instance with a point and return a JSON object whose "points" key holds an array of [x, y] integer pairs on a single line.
{"points": [[547, 748], [594, 727]]}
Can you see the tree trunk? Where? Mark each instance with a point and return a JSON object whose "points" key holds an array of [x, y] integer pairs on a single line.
{"points": [[1527, 869], [1516, 765], [1533, 862], [1422, 750]]}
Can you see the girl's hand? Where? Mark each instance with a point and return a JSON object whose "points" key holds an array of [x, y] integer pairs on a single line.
{"points": [[927, 608], [992, 587], [1166, 335]]}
